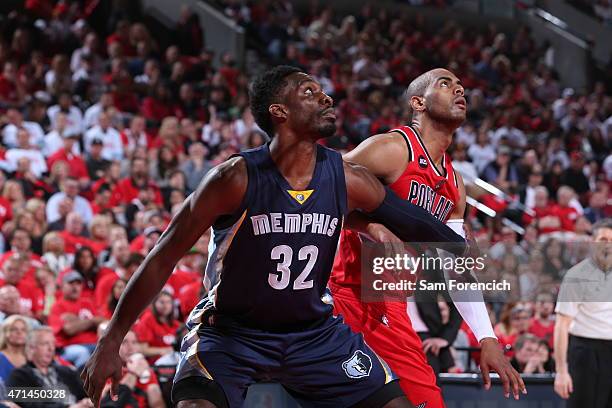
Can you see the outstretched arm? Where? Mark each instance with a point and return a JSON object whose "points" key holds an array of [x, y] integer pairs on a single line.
{"points": [[407, 221], [220, 193]]}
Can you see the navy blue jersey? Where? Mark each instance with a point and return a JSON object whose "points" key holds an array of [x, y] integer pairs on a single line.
{"points": [[269, 263]]}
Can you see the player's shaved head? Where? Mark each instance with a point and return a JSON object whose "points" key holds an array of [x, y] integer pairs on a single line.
{"points": [[423, 94], [420, 84]]}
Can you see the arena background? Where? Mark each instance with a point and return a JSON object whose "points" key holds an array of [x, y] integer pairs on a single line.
{"points": [[112, 111]]}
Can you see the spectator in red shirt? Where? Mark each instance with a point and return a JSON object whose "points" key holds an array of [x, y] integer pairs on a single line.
{"points": [[76, 164], [138, 386], [86, 264], [21, 244], [545, 219], [117, 289], [74, 321], [543, 323], [566, 213], [513, 322], [31, 297], [156, 329], [73, 234], [127, 189], [159, 105], [104, 287]]}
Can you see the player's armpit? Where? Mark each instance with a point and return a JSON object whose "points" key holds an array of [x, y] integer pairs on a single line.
{"points": [[220, 193], [384, 155]]}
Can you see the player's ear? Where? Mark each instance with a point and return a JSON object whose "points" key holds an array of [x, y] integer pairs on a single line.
{"points": [[417, 103], [278, 111]]}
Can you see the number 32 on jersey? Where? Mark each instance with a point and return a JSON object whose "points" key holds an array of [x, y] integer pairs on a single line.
{"points": [[284, 254]]}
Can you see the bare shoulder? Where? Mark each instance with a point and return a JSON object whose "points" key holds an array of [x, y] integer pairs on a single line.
{"points": [[364, 191], [225, 184], [385, 155]]}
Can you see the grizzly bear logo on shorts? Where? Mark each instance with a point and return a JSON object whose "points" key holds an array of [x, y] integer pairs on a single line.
{"points": [[358, 366]]}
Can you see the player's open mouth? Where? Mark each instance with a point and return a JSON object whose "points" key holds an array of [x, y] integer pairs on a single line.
{"points": [[461, 102]]}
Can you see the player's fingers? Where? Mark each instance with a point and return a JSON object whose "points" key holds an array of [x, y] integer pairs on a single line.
{"points": [[505, 383], [522, 385], [514, 381], [570, 387], [484, 368], [114, 389]]}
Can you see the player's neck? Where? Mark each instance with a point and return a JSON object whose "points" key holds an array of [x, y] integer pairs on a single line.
{"points": [[436, 136], [295, 159]]}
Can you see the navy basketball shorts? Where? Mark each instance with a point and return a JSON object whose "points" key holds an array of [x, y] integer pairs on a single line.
{"points": [[325, 365]]}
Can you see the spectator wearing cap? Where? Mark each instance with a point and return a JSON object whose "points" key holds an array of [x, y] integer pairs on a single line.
{"points": [[13, 335], [77, 168], [96, 163], [15, 123], [41, 371], [138, 385], [23, 149], [112, 146], [156, 329], [583, 327], [574, 175], [74, 320], [70, 189], [54, 140], [73, 113]]}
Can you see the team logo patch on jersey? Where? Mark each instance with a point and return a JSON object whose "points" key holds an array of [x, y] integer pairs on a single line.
{"points": [[422, 162], [439, 185], [358, 366], [300, 196]]}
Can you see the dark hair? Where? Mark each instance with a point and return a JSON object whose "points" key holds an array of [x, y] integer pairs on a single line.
{"points": [[112, 302], [135, 259], [264, 91], [89, 274], [169, 319]]}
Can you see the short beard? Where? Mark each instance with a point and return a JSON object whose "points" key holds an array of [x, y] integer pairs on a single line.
{"points": [[443, 117], [327, 130]]}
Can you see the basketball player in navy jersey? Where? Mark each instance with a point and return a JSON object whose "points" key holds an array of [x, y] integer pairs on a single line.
{"points": [[276, 213]]}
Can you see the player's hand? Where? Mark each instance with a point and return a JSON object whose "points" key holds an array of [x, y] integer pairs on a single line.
{"points": [[103, 364], [434, 344], [564, 385], [492, 358], [380, 233]]}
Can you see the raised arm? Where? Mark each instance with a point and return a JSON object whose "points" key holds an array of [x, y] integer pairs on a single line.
{"points": [[220, 193]]}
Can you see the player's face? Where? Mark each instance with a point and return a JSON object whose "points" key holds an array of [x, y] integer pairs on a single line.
{"points": [[444, 99], [310, 108]]}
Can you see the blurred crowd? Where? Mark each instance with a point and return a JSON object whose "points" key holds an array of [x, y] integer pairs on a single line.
{"points": [[105, 131]]}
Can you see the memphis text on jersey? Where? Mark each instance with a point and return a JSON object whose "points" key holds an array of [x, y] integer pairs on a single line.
{"points": [[424, 196], [314, 223]]}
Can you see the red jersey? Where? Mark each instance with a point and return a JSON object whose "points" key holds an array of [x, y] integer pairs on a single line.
{"points": [[543, 332], [422, 184], [83, 308], [155, 334]]}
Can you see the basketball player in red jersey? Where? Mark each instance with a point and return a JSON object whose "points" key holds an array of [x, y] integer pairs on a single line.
{"points": [[412, 160]]}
